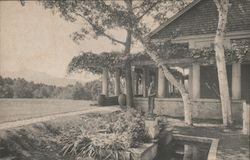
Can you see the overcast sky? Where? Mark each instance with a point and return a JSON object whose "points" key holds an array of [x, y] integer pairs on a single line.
{"points": [[32, 38]]}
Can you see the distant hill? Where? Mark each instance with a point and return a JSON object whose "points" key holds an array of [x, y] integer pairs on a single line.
{"points": [[40, 77]]}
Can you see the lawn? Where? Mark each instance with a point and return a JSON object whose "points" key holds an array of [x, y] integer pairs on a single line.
{"points": [[19, 109]]}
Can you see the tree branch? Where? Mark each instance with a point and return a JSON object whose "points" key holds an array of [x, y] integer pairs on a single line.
{"points": [[112, 38], [218, 4], [149, 8], [95, 28]]}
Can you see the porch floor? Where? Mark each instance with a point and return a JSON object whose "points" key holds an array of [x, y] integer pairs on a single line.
{"points": [[232, 143]]}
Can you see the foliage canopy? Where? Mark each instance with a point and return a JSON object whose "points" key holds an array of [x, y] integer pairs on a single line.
{"points": [[94, 63]]}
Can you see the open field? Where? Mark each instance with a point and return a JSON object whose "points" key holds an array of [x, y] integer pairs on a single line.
{"points": [[19, 109]]}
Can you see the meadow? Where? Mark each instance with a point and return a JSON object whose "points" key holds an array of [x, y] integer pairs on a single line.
{"points": [[19, 109]]}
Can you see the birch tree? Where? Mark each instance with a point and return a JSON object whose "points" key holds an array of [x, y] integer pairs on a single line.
{"points": [[169, 76], [222, 7]]}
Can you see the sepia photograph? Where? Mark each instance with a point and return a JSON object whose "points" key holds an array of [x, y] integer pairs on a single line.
{"points": [[124, 80]]}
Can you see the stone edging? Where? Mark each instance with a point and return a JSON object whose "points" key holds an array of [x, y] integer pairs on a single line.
{"points": [[213, 148]]}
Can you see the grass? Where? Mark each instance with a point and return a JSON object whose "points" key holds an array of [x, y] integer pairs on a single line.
{"points": [[19, 109]]}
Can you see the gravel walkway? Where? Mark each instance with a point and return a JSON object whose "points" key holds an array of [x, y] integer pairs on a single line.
{"points": [[19, 123]]}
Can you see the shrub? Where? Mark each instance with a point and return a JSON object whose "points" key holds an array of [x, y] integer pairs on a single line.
{"points": [[105, 136]]}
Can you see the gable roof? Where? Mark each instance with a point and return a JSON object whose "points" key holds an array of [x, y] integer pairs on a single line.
{"points": [[164, 24], [201, 17]]}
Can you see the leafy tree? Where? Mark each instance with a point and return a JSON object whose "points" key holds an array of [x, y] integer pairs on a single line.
{"points": [[6, 87], [20, 88], [1, 81], [78, 91], [37, 94], [44, 91], [6, 91], [94, 87], [8, 81], [67, 92], [100, 16]]}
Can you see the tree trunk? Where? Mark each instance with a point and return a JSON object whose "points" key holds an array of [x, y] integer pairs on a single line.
{"points": [[129, 89], [183, 91], [128, 76], [184, 94], [222, 7]]}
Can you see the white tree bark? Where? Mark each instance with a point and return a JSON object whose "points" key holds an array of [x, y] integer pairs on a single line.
{"points": [[184, 94], [183, 91], [222, 6]]}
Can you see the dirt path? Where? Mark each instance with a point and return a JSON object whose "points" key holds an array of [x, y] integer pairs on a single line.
{"points": [[19, 123]]}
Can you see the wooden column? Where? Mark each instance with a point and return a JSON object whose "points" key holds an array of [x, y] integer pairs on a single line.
{"points": [[135, 78], [105, 81], [236, 81], [196, 81], [161, 84], [187, 152], [145, 81], [117, 82], [190, 81], [136, 83], [246, 118]]}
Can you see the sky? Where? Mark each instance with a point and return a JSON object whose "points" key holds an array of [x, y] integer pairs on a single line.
{"points": [[32, 38]]}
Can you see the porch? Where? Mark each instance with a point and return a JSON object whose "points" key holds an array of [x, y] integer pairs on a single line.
{"points": [[200, 80], [204, 109]]}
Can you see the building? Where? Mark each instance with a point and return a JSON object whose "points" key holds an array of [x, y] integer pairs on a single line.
{"points": [[195, 27]]}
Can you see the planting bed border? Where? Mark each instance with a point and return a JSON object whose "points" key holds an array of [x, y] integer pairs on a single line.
{"points": [[213, 141]]}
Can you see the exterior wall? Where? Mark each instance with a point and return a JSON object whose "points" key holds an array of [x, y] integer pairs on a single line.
{"points": [[202, 109]]}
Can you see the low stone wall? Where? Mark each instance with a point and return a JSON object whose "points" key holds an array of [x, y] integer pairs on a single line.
{"points": [[202, 108], [144, 152]]}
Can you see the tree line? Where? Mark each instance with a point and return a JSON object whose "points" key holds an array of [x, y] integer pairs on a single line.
{"points": [[20, 88]]}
